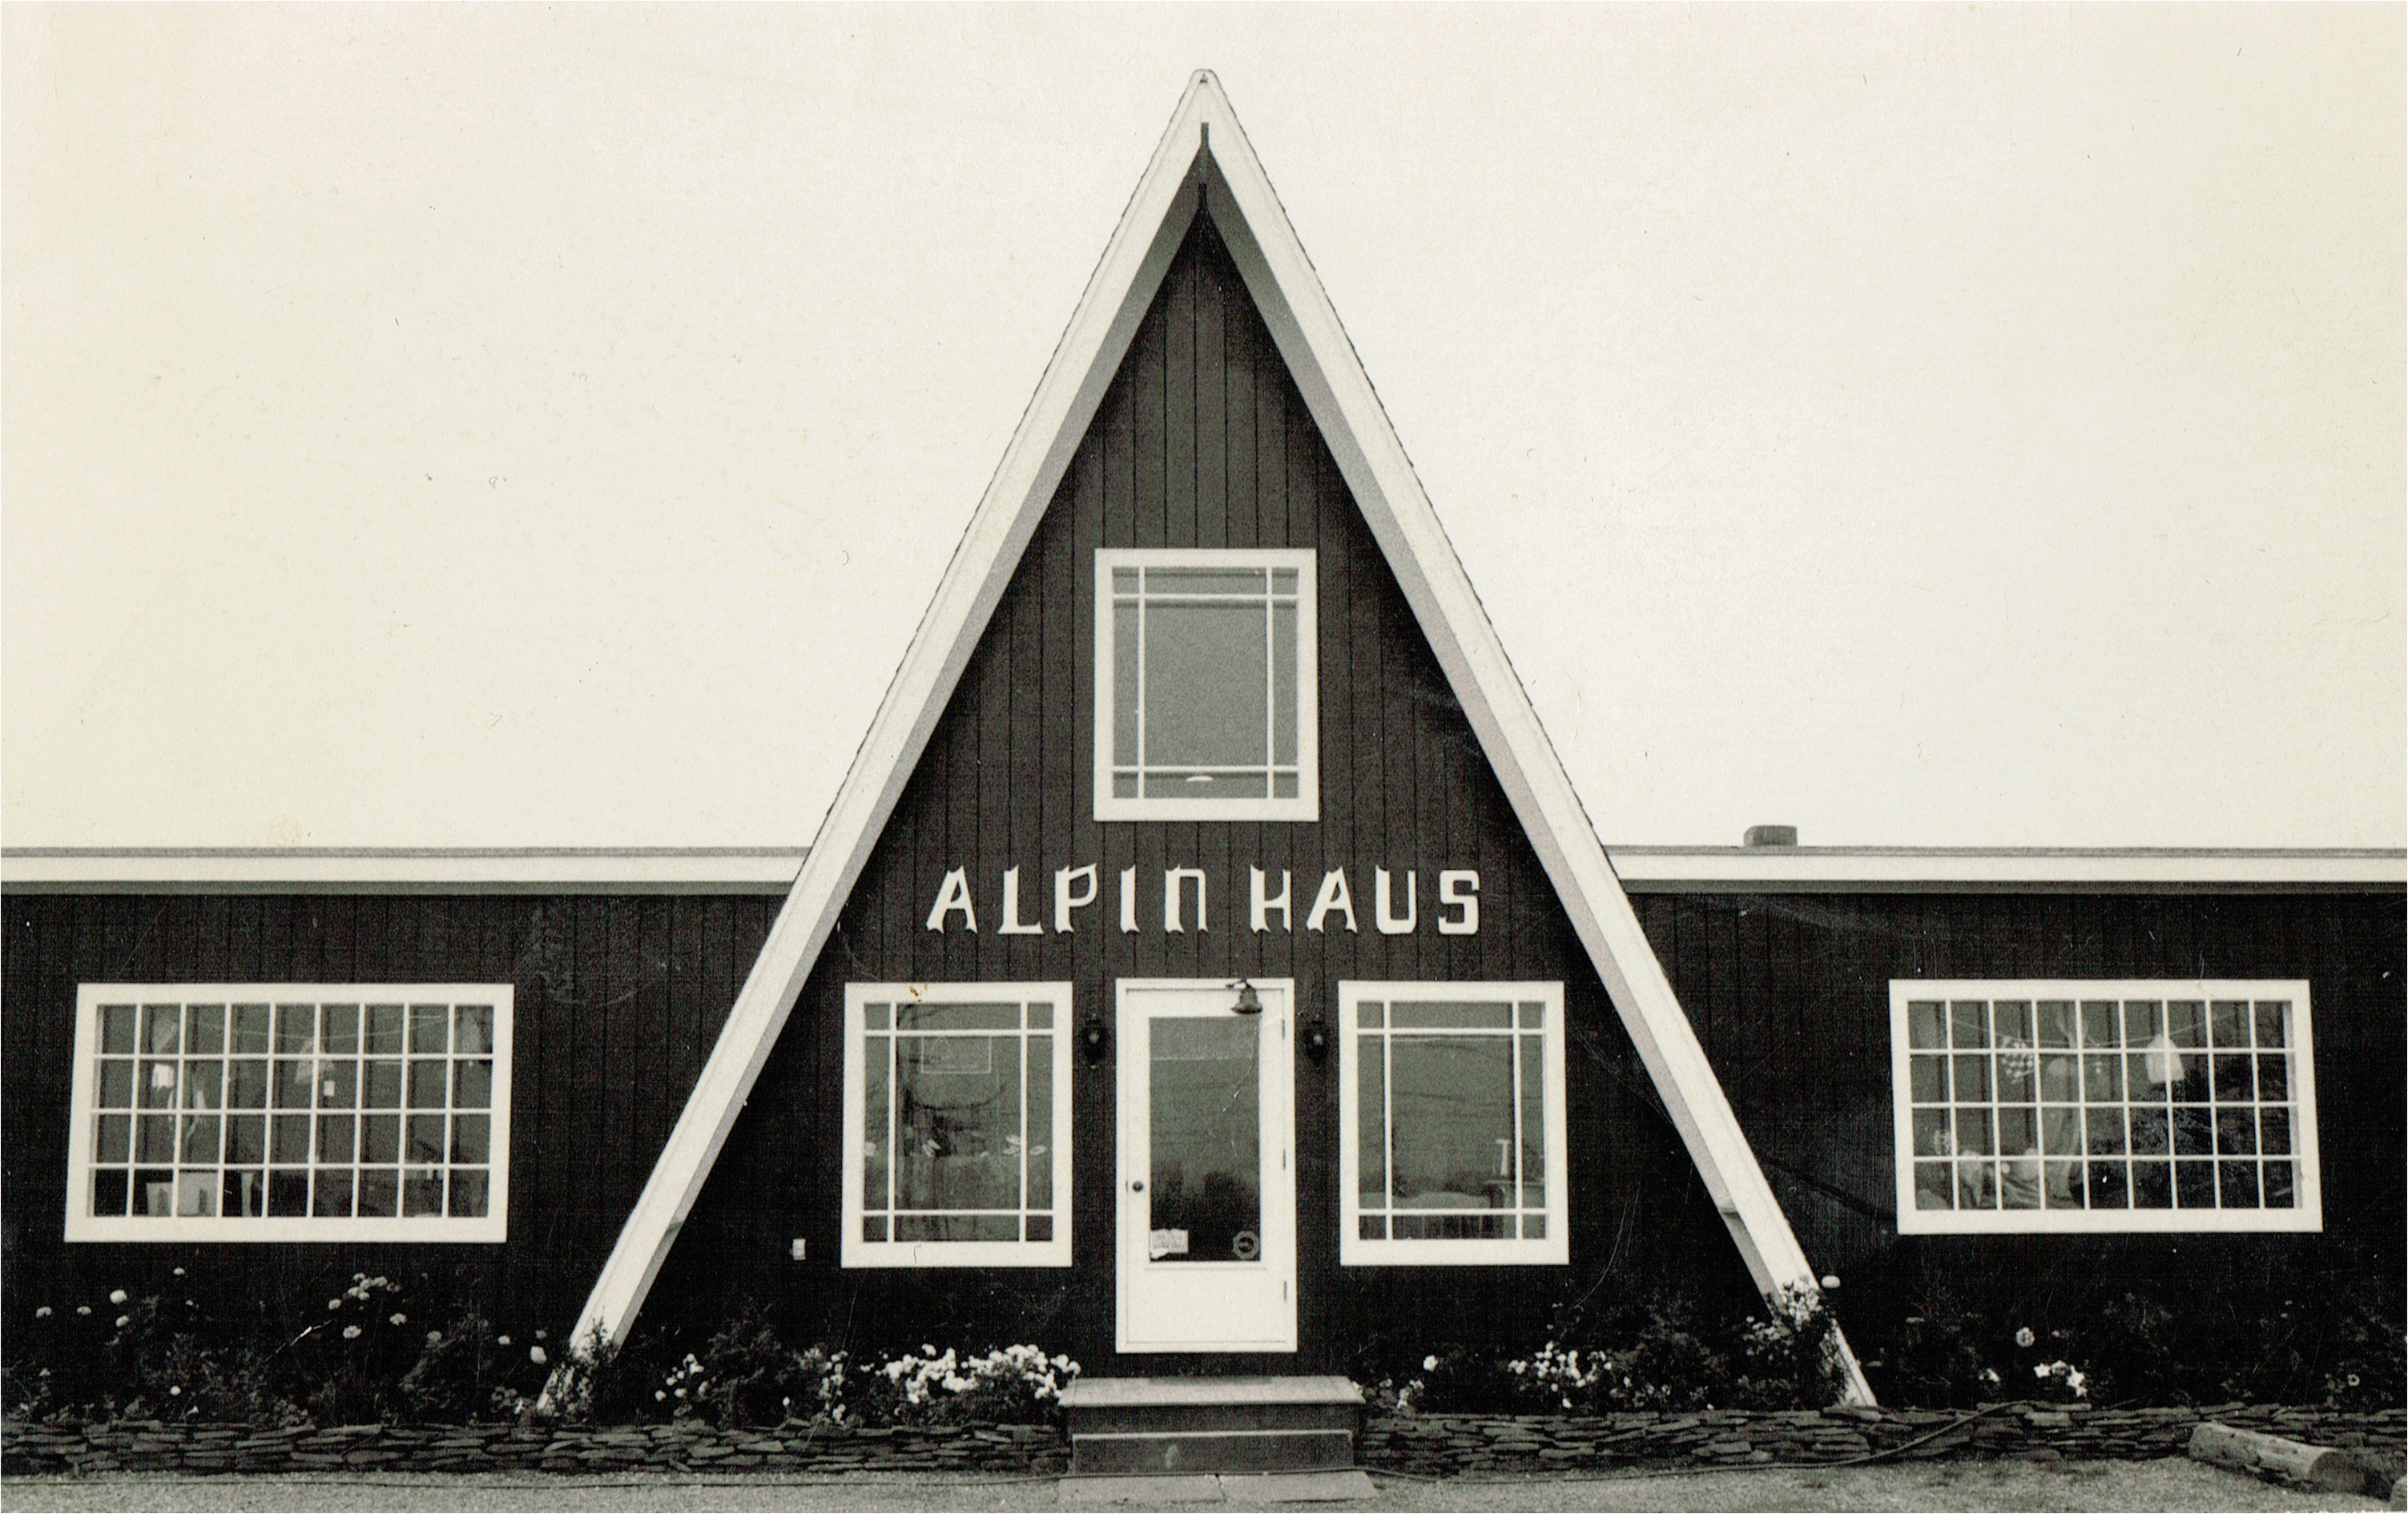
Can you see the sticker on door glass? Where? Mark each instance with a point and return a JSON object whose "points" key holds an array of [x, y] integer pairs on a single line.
{"points": [[1162, 1243]]}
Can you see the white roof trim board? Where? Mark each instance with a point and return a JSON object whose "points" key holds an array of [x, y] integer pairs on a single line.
{"points": [[401, 870], [772, 869], [2035, 869], [1282, 283]]}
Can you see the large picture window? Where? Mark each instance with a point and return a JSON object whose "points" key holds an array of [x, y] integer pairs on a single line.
{"points": [[290, 1111], [2104, 1106], [1205, 692], [1450, 1126], [956, 1119]]}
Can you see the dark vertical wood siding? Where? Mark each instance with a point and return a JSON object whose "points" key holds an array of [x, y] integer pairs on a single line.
{"points": [[1201, 441], [618, 1000], [1790, 994]]}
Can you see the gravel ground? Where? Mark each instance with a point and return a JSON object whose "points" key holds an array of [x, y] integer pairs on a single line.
{"points": [[2170, 1485]]}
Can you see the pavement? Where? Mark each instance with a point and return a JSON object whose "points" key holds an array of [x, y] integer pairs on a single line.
{"points": [[2143, 1487]]}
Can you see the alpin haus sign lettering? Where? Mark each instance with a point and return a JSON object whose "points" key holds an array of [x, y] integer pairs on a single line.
{"points": [[1187, 894]]}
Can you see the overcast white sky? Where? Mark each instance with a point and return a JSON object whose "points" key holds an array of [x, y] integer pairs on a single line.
{"points": [[1948, 426]]}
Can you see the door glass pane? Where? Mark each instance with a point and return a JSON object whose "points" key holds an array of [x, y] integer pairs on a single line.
{"points": [[1205, 1189]]}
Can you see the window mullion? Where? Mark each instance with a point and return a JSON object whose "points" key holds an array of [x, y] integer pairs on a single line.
{"points": [[1270, 688], [1388, 1122]]}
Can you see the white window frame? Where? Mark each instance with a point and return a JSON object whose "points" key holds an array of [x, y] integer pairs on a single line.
{"points": [[1306, 803], [84, 1225], [853, 1251], [2307, 1211], [1554, 1248]]}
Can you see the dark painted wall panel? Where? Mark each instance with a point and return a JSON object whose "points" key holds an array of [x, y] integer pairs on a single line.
{"points": [[613, 1021], [1798, 1029]]}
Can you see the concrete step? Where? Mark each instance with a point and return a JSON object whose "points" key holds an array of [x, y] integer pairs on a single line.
{"points": [[1175, 1425]]}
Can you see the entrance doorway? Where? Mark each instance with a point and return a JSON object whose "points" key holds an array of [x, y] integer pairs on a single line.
{"points": [[1206, 1176]]}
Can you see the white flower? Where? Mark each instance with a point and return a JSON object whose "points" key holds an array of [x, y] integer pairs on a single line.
{"points": [[535, 1354], [501, 1340], [543, 1335], [180, 1272], [1831, 1281], [83, 1308], [42, 1313], [659, 1397], [2039, 1371], [401, 1319], [124, 1319], [2024, 1337], [117, 1295], [435, 1338], [351, 1332], [1429, 1363], [175, 1392]]}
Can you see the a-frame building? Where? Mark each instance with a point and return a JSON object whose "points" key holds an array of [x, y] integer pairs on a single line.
{"points": [[1205, 969], [1205, 714]]}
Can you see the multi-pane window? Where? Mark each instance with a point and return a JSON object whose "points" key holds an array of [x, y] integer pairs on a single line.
{"points": [[958, 1117], [2104, 1106], [290, 1111], [1205, 691], [1452, 1123]]}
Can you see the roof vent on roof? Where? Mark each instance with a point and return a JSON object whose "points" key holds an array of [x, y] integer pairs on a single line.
{"points": [[1770, 835]]}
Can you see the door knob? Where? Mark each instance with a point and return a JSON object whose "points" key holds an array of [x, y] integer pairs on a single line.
{"points": [[1137, 1186]]}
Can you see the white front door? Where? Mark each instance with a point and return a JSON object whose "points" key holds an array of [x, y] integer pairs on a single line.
{"points": [[1207, 1167]]}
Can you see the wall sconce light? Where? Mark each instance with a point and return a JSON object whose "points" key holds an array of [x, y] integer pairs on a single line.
{"points": [[1093, 1038], [1316, 1038], [1249, 1002]]}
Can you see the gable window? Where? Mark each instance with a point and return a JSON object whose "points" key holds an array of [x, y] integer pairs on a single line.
{"points": [[2160, 1106], [1451, 1141], [1205, 691], [956, 1123], [290, 1112]]}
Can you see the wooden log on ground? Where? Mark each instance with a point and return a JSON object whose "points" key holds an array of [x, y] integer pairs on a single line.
{"points": [[2325, 1468]]}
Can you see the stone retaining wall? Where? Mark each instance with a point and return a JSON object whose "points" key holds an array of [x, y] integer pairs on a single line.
{"points": [[1450, 1445], [137, 1446], [1438, 1445]]}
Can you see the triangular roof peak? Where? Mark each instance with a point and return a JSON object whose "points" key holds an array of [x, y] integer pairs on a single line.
{"points": [[1204, 164]]}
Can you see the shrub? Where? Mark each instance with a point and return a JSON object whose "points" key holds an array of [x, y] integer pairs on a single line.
{"points": [[2216, 1340], [1631, 1354], [367, 1357], [468, 1371], [746, 1375]]}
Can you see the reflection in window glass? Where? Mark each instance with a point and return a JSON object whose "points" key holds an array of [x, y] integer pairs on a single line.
{"points": [[1204, 661], [1450, 1099], [957, 1099], [2145, 1101], [180, 1130]]}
